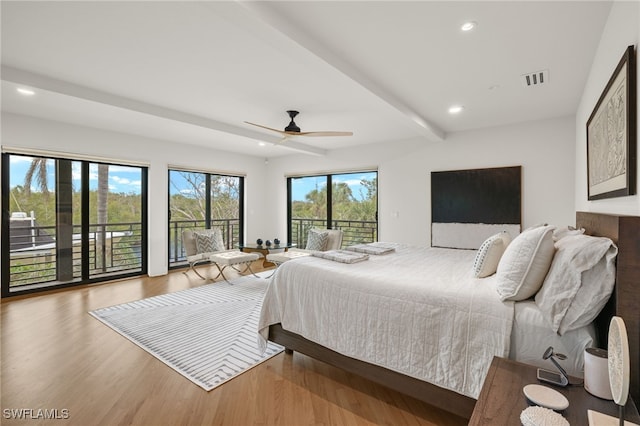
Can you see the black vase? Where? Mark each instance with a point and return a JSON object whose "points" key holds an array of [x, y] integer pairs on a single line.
{"points": [[259, 241], [276, 241], [267, 243]]}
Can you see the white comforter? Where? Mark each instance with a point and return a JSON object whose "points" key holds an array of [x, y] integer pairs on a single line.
{"points": [[418, 311]]}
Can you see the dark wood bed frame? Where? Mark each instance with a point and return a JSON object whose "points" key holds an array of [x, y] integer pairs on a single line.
{"points": [[623, 230]]}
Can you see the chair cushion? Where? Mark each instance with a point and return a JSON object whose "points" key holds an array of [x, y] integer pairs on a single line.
{"points": [[334, 239], [287, 255], [233, 257], [189, 243]]}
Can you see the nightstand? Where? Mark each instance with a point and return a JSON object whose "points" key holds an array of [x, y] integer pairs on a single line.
{"points": [[501, 399]]}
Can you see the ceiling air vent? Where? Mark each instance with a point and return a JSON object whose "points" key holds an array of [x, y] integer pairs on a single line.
{"points": [[537, 78]]}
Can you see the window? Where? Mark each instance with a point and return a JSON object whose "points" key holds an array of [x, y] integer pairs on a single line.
{"points": [[70, 222], [347, 201], [199, 200]]}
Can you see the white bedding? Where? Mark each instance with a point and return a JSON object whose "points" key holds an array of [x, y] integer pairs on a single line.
{"points": [[532, 334], [418, 311]]}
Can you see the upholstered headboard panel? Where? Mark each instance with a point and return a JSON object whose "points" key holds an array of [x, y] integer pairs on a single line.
{"points": [[468, 206]]}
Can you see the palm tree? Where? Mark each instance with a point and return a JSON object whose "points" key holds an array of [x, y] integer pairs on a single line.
{"points": [[37, 168]]}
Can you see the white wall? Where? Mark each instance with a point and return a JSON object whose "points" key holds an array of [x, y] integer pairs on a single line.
{"points": [[621, 30], [25, 132], [545, 149]]}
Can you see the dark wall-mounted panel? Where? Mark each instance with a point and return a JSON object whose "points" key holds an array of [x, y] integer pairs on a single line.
{"points": [[477, 196]]}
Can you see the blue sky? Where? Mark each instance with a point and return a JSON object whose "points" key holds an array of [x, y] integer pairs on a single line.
{"points": [[122, 179], [302, 186]]}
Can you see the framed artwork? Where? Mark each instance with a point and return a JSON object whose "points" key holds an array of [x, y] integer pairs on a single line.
{"points": [[611, 135]]}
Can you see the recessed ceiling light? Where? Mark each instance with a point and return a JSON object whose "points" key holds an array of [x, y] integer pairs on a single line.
{"points": [[26, 92], [494, 87], [468, 26], [455, 109], [262, 143]]}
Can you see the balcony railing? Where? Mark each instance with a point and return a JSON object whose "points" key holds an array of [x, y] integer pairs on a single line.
{"points": [[230, 234], [117, 247], [113, 248], [354, 231]]}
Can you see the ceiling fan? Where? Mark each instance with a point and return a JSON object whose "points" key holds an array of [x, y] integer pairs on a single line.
{"points": [[293, 130]]}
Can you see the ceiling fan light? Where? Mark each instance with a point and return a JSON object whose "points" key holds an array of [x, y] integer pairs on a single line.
{"points": [[468, 26], [25, 91]]}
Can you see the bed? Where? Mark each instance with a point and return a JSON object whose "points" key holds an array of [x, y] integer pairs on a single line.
{"points": [[411, 365]]}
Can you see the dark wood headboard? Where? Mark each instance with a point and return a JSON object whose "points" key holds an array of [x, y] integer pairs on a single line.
{"points": [[625, 301]]}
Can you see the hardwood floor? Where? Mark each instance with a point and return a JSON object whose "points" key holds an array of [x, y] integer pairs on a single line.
{"points": [[58, 361]]}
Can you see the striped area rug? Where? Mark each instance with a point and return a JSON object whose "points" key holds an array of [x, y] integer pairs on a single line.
{"points": [[208, 334]]}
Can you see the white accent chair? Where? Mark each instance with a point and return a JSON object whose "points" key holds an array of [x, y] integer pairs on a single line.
{"points": [[220, 258], [191, 251], [334, 242]]}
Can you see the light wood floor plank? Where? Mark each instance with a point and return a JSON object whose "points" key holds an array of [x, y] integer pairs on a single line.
{"points": [[55, 356]]}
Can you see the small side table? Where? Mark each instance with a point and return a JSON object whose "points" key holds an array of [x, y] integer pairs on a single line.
{"points": [[501, 399], [265, 250]]}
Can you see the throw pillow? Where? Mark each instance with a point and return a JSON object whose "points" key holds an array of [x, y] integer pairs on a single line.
{"points": [[204, 242], [579, 282], [317, 240], [489, 254], [209, 241], [525, 263]]}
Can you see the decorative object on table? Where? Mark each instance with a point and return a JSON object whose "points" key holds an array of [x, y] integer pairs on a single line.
{"points": [[259, 241], [276, 241], [596, 373], [267, 243], [559, 379], [611, 135], [618, 367], [545, 397], [538, 416]]}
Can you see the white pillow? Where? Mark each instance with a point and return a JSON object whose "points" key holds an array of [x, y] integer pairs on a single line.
{"points": [[489, 254], [525, 263], [317, 240], [566, 231], [579, 282]]}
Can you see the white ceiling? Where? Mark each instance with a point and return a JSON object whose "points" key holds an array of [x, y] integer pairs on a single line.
{"points": [[193, 72]]}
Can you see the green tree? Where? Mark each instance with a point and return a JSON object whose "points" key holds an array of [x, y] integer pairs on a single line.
{"points": [[191, 204], [37, 169]]}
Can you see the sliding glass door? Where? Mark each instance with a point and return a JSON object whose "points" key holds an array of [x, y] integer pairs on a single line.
{"points": [[200, 200], [346, 201], [70, 222]]}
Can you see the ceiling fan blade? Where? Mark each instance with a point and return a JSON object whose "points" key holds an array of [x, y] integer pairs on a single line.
{"points": [[270, 128], [325, 133]]}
